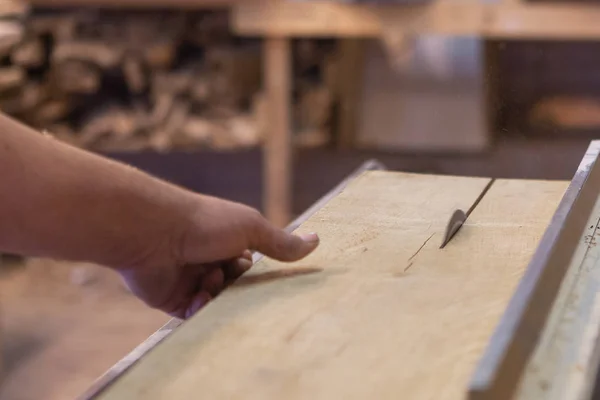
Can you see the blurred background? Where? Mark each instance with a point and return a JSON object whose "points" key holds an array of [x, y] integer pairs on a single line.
{"points": [[272, 103]]}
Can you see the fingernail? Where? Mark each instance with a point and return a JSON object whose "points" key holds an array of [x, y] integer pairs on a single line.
{"points": [[201, 300], [311, 237], [198, 303], [247, 254], [244, 264]]}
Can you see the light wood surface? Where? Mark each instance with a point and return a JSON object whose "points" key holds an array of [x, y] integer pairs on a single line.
{"points": [[378, 311], [511, 19]]}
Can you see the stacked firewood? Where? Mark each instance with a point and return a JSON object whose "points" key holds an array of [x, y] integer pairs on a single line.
{"points": [[160, 80]]}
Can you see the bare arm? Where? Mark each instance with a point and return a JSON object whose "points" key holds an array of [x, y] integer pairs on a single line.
{"points": [[63, 202]]}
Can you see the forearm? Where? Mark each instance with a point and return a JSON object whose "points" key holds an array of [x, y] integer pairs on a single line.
{"points": [[62, 202]]}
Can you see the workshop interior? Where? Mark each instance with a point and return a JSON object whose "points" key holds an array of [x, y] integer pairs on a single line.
{"points": [[444, 150]]}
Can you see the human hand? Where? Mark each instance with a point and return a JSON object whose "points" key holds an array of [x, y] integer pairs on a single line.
{"points": [[194, 263]]}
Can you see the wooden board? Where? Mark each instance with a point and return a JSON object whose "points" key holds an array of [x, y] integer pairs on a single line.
{"points": [[507, 19], [378, 311]]}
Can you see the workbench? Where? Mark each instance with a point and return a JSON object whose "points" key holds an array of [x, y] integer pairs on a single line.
{"points": [[378, 311]]}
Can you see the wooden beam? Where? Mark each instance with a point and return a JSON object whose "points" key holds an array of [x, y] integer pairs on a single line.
{"points": [[322, 18], [459, 18], [277, 163], [544, 21], [191, 4]]}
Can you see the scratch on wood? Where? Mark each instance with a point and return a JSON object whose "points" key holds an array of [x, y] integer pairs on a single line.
{"points": [[296, 329], [408, 266], [420, 248]]}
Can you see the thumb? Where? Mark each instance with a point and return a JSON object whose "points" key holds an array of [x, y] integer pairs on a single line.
{"points": [[282, 246]]}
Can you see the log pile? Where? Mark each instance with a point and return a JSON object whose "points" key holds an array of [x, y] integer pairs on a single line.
{"points": [[159, 80]]}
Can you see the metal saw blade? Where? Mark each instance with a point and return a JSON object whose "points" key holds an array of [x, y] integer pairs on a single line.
{"points": [[456, 221]]}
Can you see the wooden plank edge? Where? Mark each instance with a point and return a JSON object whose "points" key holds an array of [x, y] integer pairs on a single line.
{"points": [[122, 366], [516, 20], [515, 338], [133, 4]]}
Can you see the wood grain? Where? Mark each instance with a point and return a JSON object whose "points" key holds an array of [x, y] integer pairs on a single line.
{"points": [[378, 311]]}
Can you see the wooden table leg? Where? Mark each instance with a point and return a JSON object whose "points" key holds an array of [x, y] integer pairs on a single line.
{"points": [[277, 158], [349, 85]]}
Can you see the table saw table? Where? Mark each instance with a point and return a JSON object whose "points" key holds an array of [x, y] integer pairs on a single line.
{"points": [[379, 311]]}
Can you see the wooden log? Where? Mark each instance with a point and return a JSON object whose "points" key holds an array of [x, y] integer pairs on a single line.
{"points": [[200, 89], [196, 131], [243, 130], [30, 53], [104, 55], [160, 54], [51, 111], [26, 98], [235, 73], [134, 73], [162, 108], [75, 76], [11, 33], [113, 123], [162, 139], [172, 82], [222, 139], [11, 77]]}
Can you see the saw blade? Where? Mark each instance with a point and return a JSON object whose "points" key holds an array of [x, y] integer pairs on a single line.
{"points": [[456, 221], [459, 217]]}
